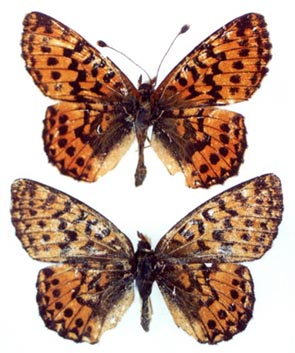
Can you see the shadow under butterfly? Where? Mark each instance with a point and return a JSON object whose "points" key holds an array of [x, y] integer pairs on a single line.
{"points": [[196, 264], [101, 112]]}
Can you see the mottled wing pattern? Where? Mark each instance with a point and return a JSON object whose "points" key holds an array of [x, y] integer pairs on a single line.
{"points": [[87, 138], [210, 296], [92, 286], [225, 68], [234, 226]]}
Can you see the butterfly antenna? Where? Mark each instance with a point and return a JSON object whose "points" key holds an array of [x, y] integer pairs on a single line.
{"points": [[183, 29], [103, 44]]}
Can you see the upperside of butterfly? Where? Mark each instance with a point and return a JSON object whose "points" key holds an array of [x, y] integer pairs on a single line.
{"points": [[195, 264], [101, 112]]}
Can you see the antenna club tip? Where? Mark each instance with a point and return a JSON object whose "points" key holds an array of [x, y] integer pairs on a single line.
{"points": [[184, 28], [101, 43]]}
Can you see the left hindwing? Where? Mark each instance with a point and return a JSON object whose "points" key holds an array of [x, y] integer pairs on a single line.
{"points": [[81, 302], [86, 140]]}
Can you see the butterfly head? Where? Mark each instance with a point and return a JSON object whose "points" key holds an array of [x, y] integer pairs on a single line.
{"points": [[145, 89], [144, 242]]}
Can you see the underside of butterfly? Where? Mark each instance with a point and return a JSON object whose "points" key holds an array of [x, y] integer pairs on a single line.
{"points": [[100, 112], [196, 264]]}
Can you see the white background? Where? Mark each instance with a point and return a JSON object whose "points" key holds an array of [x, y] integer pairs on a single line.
{"points": [[143, 30]]}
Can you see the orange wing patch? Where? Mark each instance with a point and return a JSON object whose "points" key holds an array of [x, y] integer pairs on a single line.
{"points": [[65, 66]]}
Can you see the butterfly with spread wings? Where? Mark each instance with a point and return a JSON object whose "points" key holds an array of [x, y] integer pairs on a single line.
{"points": [[101, 112], [196, 264]]}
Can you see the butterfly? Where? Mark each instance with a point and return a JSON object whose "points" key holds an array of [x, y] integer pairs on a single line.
{"points": [[196, 264], [101, 113]]}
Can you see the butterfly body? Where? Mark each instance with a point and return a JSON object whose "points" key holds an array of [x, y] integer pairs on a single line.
{"points": [[145, 117], [101, 112]]}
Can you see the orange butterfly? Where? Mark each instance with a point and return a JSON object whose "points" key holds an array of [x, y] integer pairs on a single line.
{"points": [[195, 264], [101, 112]]}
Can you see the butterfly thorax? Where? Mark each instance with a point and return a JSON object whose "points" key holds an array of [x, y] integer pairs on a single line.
{"points": [[144, 114], [145, 262]]}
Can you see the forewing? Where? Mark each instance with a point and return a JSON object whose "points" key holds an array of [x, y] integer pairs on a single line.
{"points": [[210, 303], [65, 66], [83, 301], [206, 144], [55, 227], [225, 68], [234, 226], [86, 140]]}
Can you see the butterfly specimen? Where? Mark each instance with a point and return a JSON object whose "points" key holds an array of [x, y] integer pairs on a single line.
{"points": [[100, 112], [196, 264]]}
